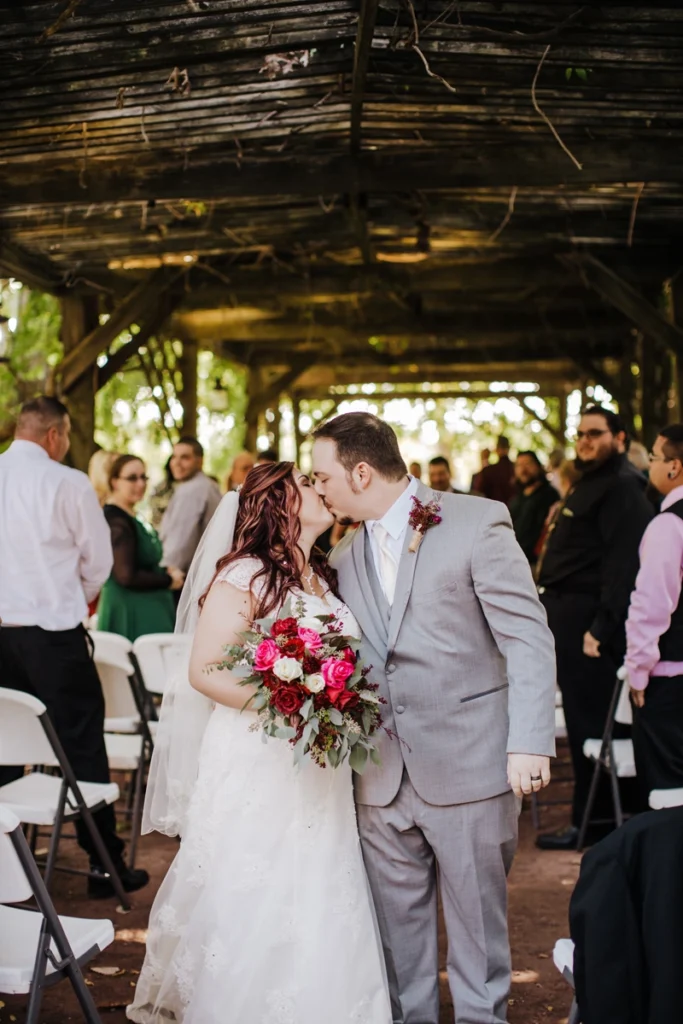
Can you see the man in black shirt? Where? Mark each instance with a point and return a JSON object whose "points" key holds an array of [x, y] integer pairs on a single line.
{"points": [[531, 504], [585, 581]]}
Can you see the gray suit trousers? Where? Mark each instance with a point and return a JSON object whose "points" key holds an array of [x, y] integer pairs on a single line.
{"points": [[472, 846]]}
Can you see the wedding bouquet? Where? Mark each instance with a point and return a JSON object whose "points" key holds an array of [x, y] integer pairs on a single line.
{"points": [[311, 687]]}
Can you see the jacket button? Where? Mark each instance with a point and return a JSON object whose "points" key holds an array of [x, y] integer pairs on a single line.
{"points": [[391, 668], [400, 709]]}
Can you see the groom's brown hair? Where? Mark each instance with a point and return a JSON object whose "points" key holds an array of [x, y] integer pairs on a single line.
{"points": [[362, 437]]}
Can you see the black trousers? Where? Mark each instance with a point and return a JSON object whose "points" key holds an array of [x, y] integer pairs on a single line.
{"points": [[658, 735], [57, 668], [587, 685]]}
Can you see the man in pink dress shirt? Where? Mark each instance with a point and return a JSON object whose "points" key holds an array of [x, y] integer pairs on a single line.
{"points": [[654, 628]]}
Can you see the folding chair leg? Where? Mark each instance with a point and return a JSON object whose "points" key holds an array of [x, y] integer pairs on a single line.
{"points": [[136, 820], [51, 929], [56, 834], [38, 978], [72, 782], [616, 795], [592, 793]]}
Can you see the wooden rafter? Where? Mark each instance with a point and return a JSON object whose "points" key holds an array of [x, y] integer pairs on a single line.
{"points": [[153, 321], [627, 300], [131, 308]]}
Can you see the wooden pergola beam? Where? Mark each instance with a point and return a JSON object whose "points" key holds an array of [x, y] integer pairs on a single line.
{"points": [[33, 270], [130, 309], [150, 325], [475, 395], [213, 175], [627, 300], [361, 59]]}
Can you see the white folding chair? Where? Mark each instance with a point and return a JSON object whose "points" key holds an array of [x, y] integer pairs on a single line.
{"points": [[615, 757], [127, 737], [28, 738], [159, 655], [563, 958], [660, 799], [38, 950]]}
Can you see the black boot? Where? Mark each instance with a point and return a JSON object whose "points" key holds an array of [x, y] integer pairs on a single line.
{"points": [[100, 887]]}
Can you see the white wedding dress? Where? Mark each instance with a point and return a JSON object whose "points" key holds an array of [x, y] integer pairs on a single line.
{"points": [[265, 915]]}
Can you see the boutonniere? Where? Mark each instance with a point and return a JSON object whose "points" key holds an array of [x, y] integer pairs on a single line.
{"points": [[421, 518]]}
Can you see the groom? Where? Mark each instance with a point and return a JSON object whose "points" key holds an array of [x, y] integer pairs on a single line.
{"points": [[459, 644]]}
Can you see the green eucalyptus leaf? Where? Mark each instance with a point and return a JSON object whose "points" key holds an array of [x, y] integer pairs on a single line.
{"points": [[358, 758]]}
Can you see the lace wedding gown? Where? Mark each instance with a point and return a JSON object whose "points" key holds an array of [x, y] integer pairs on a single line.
{"points": [[265, 915]]}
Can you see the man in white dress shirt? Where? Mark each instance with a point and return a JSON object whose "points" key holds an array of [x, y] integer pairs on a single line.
{"points": [[55, 554]]}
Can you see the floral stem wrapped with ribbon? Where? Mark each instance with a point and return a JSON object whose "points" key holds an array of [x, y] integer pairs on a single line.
{"points": [[310, 686], [421, 518]]}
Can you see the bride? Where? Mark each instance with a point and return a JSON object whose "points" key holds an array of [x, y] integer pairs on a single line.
{"points": [[264, 916]]}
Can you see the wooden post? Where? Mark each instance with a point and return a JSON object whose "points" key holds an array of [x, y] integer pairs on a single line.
{"points": [[187, 396], [251, 416], [298, 436], [654, 372], [80, 316], [563, 415], [276, 425], [627, 395]]}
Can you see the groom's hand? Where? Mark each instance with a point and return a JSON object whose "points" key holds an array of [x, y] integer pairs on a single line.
{"points": [[528, 773]]}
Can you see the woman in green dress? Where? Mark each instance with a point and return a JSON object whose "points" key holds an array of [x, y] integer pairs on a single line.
{"points": [[137, 598]]}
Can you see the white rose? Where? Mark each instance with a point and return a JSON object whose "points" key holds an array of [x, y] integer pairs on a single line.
{"points": [[287, 669], [311, 623], [371, 698], [315, 683]]}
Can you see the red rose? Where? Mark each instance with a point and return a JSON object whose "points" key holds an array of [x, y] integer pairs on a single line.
{"points": [[347, 699], [311, 665], [284, 627], [349, 655], [336, 673], [293, 647], [287, 699], [270, 680]]}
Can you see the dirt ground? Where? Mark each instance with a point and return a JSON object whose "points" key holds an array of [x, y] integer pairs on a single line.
{"points": [[540, 887]]}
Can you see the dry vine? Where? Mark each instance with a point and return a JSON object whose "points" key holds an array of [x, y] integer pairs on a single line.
{"points": [[84, 165], [413, 45], [61, 20], [506, 219], [634, 211], [545, 117]]}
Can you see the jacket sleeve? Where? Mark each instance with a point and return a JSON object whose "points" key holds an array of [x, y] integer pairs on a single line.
{"points": [[125, 570], [623, 516], [507, 595]]}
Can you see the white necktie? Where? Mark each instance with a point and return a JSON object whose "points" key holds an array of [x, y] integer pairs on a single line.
{"points": [[387, 562]]}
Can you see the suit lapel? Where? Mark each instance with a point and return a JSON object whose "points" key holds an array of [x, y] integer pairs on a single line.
{"points": [[361, 602], [406, 574]]}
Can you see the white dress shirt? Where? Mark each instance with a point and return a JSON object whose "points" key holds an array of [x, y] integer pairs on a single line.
{"points": [[395, 522], [55, 544]]}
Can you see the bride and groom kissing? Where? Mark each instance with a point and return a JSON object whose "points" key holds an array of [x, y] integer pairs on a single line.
{"points": [[266, 915]]}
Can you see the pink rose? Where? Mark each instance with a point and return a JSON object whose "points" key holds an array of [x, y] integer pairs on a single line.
{"points": [[335, 673], [310, 638], [266, 655]]}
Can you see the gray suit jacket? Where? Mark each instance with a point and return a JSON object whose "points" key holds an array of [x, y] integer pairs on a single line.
{"points": [[464, 658]]}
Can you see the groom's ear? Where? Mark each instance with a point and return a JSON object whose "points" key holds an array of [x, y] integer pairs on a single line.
{"points": [[362, 475]]}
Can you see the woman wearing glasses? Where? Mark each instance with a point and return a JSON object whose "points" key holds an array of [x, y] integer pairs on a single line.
{"points": [[136, 599]]}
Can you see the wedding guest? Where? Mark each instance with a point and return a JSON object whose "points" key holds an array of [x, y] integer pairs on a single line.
{"points": [[556, 459], [160, 496], [136, 599], [415, 469], [654, 628], [531, 504], [98, 473], [195, 499], [241, 465], [439, 471], [55, 554], [585, 578], [497, 481], [269, 455], [484, 460]]}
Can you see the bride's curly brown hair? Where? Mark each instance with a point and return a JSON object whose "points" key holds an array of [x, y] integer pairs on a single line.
{"points": [[268, 529]]}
